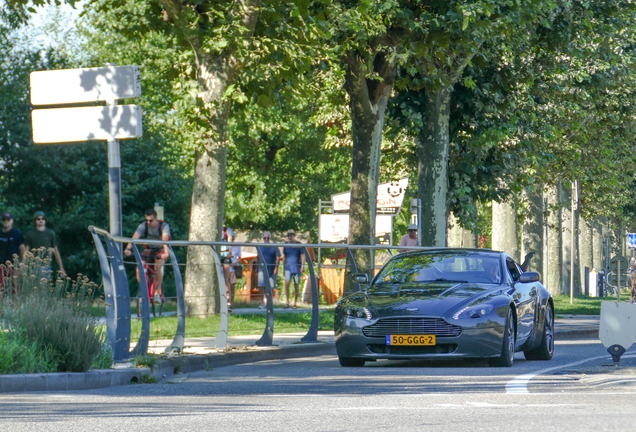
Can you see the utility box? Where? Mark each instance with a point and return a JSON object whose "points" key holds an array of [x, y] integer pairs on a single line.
{"points": [[593, 283]]}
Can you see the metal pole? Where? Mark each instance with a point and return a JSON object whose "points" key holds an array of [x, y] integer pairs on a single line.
{"points": [[114, 186], [419, 222]]}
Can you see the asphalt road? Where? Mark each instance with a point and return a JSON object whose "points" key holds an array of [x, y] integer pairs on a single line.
{"points": [[573, 391]]}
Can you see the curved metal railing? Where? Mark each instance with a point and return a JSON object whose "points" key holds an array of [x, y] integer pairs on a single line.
{"points": [[117, 290]]}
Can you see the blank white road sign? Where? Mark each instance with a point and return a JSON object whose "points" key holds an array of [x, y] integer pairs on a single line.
{"points": [[68, 86], [86, 124]]}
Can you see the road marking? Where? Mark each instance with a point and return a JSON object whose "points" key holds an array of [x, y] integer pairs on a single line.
{"points": [[519, 384]]}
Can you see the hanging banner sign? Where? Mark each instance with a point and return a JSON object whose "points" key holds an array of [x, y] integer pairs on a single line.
{"points": [[389, 199], [334, 228]]}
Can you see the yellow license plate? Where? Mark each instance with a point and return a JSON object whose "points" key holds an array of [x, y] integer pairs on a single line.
{"points": [[410, 339]]}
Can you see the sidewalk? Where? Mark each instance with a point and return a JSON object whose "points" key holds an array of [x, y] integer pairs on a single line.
{"points": [[197, 356]]}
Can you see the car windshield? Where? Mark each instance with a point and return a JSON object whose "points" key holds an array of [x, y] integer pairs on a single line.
{"points": [[441, 267]]}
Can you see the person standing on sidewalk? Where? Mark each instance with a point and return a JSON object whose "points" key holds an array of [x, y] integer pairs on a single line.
{"points": [[11, 240], [410, 238], [294, 262], [11, 243], [271, 257], [225, 252], [42, 237]]}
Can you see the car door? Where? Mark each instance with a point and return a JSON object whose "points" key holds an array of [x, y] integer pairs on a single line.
{"points": [[524, 295]]}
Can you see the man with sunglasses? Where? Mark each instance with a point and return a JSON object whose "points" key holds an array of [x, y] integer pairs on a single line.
{"points": [[153, 229], [294, 262], [42, 237], [271, 257]]}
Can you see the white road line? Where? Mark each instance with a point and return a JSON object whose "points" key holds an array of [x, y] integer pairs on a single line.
{"points": [[519, 384]]}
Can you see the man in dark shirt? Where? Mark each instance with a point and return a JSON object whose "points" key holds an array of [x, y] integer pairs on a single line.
{"points": [[294, 262], [41, 236], [11, 240], [272, 258], [11, 243]]}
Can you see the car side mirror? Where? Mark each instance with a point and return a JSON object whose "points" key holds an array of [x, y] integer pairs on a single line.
{"points": [[361, 278], [527, 277]]}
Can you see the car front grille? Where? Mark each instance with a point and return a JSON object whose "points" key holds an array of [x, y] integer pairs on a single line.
{"points": [[412, 326]]}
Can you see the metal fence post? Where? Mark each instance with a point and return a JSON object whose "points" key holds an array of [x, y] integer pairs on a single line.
{"points": [[143, 307], [109, 292], [220, 341], [268, 334], [179, 338], [312, 334], [121, 349]]}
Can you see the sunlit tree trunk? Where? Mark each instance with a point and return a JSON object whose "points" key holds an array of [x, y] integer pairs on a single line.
{"points": [[553, 247], [532, 230], [369, 98]]}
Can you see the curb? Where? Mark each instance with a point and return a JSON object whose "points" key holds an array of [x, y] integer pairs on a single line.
{"points": [[96, 379], [168, 368]]}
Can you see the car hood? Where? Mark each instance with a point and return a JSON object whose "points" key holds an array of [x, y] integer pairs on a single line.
{"points": [[431, 299]]}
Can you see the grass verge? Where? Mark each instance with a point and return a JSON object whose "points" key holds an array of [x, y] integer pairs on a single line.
{"points": [[582, 305], [244, 324]]}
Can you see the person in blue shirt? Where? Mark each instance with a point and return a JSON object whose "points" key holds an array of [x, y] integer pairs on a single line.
{"points": [[272, 259], [294, 261]]}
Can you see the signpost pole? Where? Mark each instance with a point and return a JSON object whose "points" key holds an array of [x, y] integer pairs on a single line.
{"points": [[114, 189]]}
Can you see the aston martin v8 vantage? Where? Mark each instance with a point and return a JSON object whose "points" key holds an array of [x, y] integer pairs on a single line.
{"points": [[446, 303]]}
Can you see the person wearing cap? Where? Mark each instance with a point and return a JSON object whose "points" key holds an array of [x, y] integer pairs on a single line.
{"points": [[11, 243], [294, 262], [42, 237], [410, 238], [11, 240]]}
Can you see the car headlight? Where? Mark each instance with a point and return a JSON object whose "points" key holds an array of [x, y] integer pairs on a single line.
{"points": [[358, 312], [473, 311]]}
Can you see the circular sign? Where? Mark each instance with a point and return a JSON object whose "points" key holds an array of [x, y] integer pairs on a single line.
{"points": [[614, 264]]}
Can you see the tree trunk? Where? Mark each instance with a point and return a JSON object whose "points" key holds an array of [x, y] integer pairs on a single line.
{"points": [[459, 237], [586, 249], [532, 230], [553, 249], [369, 98], [216, 73], [565, 197], [432, 169], [505, 235]]}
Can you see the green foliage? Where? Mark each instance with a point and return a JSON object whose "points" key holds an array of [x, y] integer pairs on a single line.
{"points": [[20, 355], [149, 360], [104, 359], [53, 314]]}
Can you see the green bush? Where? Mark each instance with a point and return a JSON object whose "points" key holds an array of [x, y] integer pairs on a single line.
{"points": [[104, 358], [53, 314], [20, 355]]}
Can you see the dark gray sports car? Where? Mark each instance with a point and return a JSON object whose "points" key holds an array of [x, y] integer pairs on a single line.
{"points": [[447, 303]]}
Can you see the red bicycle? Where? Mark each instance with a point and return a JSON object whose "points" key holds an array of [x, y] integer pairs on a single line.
{"points": [[156, 298]]}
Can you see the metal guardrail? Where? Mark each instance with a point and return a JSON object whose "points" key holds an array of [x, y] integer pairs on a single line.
{"points": [[117, 290]]}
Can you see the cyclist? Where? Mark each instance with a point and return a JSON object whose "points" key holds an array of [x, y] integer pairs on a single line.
{"points": [[153, 229]]}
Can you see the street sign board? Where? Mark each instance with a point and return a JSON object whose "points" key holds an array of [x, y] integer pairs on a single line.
{"points": [[613, 280], [389, 198], [68, 86], [631, 241], [334, 228], [86, 124]]}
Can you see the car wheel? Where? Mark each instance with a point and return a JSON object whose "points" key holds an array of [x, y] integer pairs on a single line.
{"points": [[350, 362], [545, 350], [507, 357]]}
